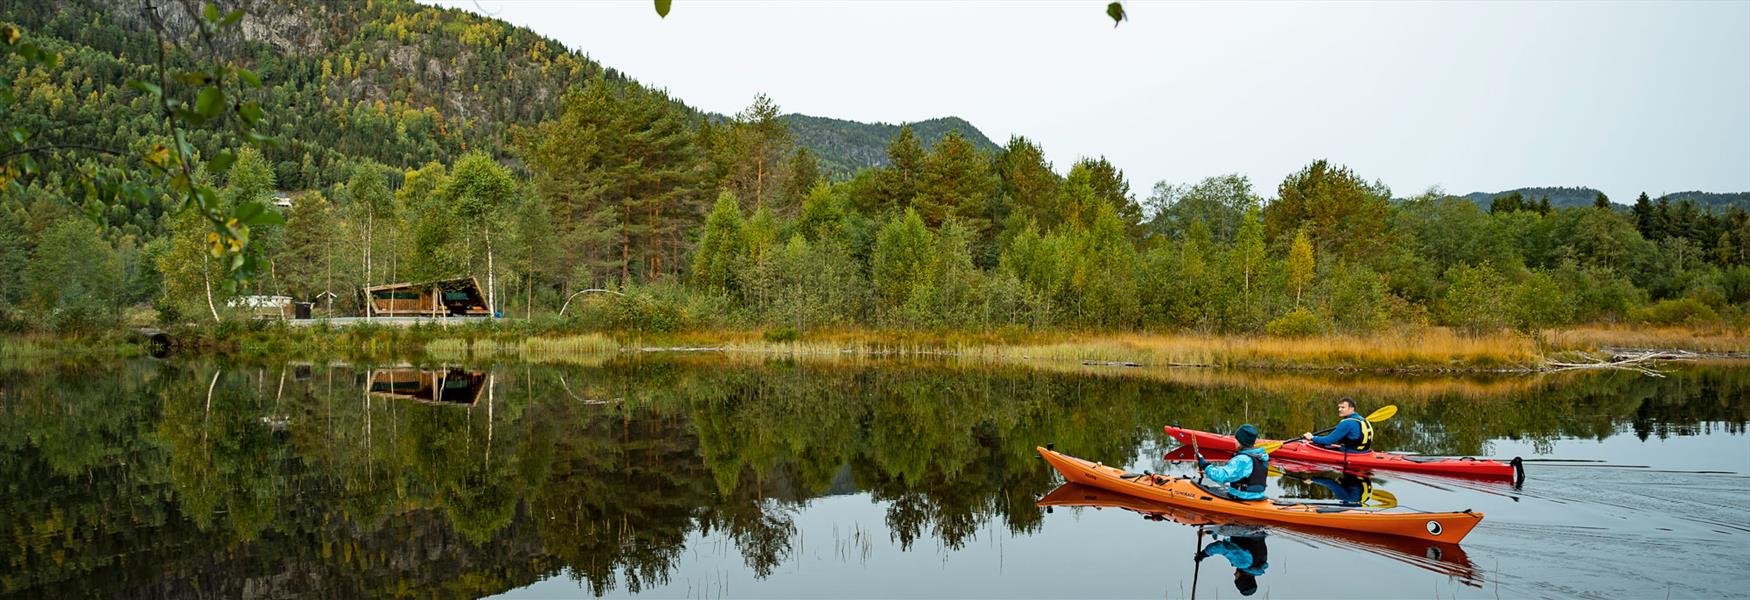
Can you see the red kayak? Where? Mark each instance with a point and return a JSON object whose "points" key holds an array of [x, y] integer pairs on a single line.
{"points": [[1304, 452]]}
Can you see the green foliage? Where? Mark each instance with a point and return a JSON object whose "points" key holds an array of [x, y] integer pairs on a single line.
{"points": [[74, 279], [955, 185], [1340, 212], [1300, 264], [1675, 311], [1298, 322], [1474, 301], [902, 260]]}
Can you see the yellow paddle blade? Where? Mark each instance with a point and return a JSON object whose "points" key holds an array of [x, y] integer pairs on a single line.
{"points": [[1385, 412], [1269, 447], [1386, 499], [1274, 472]]}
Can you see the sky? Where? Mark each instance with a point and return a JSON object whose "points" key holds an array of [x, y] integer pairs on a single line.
{"points": [[1469, 96]]}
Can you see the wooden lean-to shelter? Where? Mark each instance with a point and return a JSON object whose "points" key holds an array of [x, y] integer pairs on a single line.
{"points": [[446, 386], [451, 297]]}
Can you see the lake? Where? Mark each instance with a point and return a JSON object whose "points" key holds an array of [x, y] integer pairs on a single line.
{"points": [[703, 476]]}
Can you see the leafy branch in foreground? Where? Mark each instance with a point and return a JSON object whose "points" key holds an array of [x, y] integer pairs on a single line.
{"points": [[209, 94]]}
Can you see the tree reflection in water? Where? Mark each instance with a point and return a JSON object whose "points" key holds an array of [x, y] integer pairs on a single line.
{"points": [[192, 479]]}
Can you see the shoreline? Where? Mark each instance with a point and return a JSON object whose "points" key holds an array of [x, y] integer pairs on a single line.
{"points": [[1433, 350]]}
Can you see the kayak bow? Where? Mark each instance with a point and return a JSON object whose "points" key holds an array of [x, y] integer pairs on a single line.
{"points": [[1183, 492], [1296, 450]]}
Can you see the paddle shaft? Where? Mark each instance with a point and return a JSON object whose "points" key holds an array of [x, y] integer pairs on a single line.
{"points": [[1198, 569]]}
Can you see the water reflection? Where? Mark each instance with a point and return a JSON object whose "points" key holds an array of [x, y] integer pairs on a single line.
{"points": [[194, 479]]}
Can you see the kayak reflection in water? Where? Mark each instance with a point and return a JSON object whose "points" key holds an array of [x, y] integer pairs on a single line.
{"points": [[1244, 549]]}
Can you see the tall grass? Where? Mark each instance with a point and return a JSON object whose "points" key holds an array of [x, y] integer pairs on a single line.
{"points": [[586, 348], [1428, 349], [1589, 339]]}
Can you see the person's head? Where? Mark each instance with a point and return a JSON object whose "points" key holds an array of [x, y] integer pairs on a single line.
{"points": [[1246, 435], [1345, 407], [1245, 583]]}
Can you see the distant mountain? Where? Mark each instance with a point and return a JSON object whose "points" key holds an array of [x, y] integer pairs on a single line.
{"points": [[843, 147], [1561, 197], [1713, 199]]}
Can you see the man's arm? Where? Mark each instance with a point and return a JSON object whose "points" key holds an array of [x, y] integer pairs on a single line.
{"points": [[1344, 430]]}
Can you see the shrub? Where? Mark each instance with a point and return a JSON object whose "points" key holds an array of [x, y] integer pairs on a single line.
{"points": [[1675, 311], [1299, 322]]}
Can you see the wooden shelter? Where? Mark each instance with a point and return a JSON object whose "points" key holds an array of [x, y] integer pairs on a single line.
{"points": [[451, 297], [446, 386]]}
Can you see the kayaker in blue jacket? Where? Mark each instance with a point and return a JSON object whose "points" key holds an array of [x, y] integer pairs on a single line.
{"points": [[1246, 553], [1247, 472], [1352, 434]]}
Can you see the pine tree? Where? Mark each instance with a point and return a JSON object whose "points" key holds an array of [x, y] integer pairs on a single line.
{"points": [[1027, 185], [802, 175], [1643, 211], [956, 185], [758, 142], [1108, 187], [897, 183], [304, 266]]}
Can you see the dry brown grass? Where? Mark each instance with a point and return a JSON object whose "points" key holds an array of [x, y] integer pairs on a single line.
{"points": [[1429, 349], [1590, 339]]}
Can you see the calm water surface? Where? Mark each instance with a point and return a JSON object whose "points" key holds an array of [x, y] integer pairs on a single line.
{"points": [[700, 477]]}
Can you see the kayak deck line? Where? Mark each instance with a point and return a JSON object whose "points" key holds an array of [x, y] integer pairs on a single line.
{"points": [[1449, 527]]}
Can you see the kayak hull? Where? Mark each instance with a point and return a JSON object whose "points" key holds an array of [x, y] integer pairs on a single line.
{"points": [[1455, 467], [1440, 557], [1183, 492]]}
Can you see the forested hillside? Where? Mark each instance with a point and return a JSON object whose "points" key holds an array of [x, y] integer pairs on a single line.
{"points": [[1564, 197], [422, 143], [843, 147]]}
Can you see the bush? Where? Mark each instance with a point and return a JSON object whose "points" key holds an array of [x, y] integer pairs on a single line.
{"points": [[782, 334], [640, 311], [1299, 322], [1475, 299], [1676, 311]]}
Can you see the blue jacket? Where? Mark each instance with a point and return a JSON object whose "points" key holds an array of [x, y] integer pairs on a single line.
{"points": [[1348, 428], [1237, 469], [1237, 556]]}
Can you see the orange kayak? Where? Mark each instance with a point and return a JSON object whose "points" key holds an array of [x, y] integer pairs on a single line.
{"points": [[1184, 492], [1440, 557]]}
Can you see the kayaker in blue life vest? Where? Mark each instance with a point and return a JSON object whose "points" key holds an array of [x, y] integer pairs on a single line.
{"points": [[1352, 434], [1248, 555], [1246, 473]]}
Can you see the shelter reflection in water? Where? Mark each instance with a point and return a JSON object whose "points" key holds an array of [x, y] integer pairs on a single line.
{"points": [[447, 385]]}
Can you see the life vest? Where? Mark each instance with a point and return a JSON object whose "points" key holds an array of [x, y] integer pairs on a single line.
{"points": [[1260, 553], [1364, 444], [1260, 476]]}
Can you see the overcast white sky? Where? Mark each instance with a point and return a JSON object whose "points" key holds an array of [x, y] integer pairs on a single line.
{"points": [[1622, 96]]}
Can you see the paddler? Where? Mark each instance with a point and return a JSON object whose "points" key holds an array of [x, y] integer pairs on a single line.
{"points": [[1246, 553], [1246, 473], [1353, 432]]}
